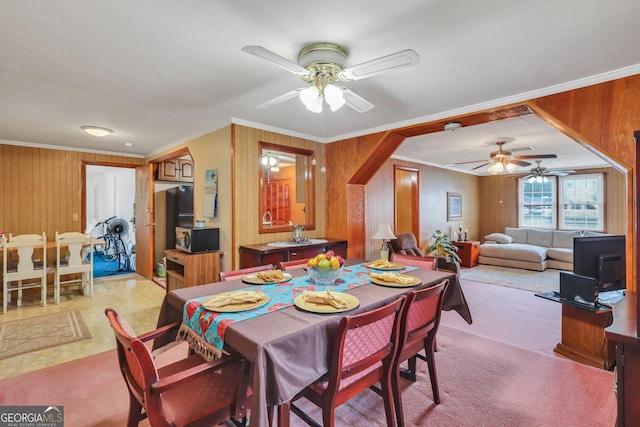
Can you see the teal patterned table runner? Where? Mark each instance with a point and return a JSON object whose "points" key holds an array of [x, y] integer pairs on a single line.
{"points": [[204, 329]]}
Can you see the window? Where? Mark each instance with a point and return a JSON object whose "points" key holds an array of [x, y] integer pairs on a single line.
{"points": [[582, 201], [537, 203], [574, 202]]}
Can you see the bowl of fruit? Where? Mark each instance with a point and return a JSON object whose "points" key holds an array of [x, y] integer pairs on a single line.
{"points": [[325, 269]]}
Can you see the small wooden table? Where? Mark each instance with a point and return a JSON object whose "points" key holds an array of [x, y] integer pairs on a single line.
{"points": [[468, 251]]}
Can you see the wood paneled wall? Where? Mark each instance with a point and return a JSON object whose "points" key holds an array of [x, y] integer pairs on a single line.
{"points": [[499, 195], [601, 117], [343, 161], [246, 164], [434, 185], [41, 189]]}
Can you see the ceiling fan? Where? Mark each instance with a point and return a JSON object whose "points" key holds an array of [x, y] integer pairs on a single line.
{"points": [[539, 173], [502, 159], [322, 67]]}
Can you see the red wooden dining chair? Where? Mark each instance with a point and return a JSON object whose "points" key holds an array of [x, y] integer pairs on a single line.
{"points": [[363, 353], [419, 323], [235, 274], [190, 391], [424, 262], [291, 265]]}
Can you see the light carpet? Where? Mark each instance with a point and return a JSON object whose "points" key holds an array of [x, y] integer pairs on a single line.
{"points": [[36, 333], [483, 382], [528, 280]]}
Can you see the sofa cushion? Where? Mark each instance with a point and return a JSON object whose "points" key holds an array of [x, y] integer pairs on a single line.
{"points": [[540, 237], [519, 251], [498, 238], [519, 235], [560, 254], [564, 239]]}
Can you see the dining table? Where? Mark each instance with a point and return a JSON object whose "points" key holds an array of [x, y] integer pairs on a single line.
{"points": [[289, 348]]}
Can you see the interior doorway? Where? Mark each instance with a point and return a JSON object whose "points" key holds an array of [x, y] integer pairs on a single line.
{"points": [[406, 200], [110, 218]]}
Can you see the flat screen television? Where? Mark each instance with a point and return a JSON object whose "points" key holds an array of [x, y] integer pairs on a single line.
{"points": [[602, 258]]}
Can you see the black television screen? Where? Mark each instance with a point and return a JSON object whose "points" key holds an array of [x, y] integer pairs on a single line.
{"points": [[603, 258]]}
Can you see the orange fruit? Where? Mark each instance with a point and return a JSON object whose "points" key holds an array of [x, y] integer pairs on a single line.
{"points": [[312, 262]]}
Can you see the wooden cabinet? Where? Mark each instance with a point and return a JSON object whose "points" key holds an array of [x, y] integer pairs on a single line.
{"points": [[468, 252], [624, 332], [176, 170], [184, 269], [254, 255], [583, 337]]}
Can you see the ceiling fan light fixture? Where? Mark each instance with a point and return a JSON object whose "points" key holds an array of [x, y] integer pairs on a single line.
{"points": [[496, 168], [334, 97], [312, 99], [511, 167]]}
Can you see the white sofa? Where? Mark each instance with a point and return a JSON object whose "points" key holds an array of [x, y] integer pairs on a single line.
{"points": [[530, 248]]}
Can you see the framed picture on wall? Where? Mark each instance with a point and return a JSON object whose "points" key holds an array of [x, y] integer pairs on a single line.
{"points": [[454, 206]]}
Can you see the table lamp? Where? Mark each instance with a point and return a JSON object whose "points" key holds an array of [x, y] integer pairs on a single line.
{"points": [[385, 234]]}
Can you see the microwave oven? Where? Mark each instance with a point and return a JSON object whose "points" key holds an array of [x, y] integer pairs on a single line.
{"points": [[196, 240]]}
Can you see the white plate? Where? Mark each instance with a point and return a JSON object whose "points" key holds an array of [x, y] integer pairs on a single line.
{"points": [[352, 302], [255, 280]]}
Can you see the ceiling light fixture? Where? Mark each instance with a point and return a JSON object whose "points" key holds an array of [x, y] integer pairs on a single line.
{"points": [[313, 96], [452, 126], [501, 166], [96, 130]]}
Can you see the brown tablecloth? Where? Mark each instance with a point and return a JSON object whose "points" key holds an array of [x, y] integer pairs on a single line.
{"points": [[290, 348]]}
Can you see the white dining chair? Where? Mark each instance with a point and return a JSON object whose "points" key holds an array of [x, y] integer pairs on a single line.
{"points": [[74, 255], [19, 263]]}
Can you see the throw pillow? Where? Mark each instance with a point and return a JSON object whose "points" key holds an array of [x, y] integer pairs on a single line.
{"points": [[519, 235], [498, 238]]}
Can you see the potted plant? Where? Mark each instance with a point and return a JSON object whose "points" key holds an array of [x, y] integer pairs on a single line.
{"points": [[443, 247]]}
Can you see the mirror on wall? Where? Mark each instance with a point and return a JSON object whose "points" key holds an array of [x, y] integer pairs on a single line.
{"points": [[287, 188]]}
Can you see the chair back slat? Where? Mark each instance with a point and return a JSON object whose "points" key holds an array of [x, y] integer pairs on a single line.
{"points": [[426, 263], [236, 274]]}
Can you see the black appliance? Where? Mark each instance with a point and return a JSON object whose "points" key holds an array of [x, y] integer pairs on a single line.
{"points": [[179, 211], [197, 240]]}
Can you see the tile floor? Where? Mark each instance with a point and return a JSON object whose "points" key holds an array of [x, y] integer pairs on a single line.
{"points": [[135, 298]]}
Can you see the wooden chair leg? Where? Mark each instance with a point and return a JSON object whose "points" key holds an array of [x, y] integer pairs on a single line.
{"points": [[389, 401], [397, 398], [284, 414], [431, 363], [135, 412], [410, 373]]}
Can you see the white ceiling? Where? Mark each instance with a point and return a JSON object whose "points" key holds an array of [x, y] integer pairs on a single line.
{"points": [[161, 72]]}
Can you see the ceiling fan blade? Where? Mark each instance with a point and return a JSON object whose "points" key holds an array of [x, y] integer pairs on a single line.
{"points": [[478, 167], [278, 99], [402, 59], [276, 59], [519, 162], [471, 161], [537, 156], [528, 176], [527, 148], [560, 173], [355, 101]]}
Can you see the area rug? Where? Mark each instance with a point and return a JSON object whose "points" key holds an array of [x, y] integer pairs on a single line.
{"points": [[528, 280], [36, 333]]}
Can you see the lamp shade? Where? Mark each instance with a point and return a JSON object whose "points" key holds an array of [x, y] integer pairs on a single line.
{"points": [[383, 232]]}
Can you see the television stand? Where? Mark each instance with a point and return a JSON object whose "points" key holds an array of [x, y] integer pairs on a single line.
{"points": [[583, 338]]}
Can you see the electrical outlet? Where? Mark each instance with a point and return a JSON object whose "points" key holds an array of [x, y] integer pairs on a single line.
{"points": [[75, 217]]}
